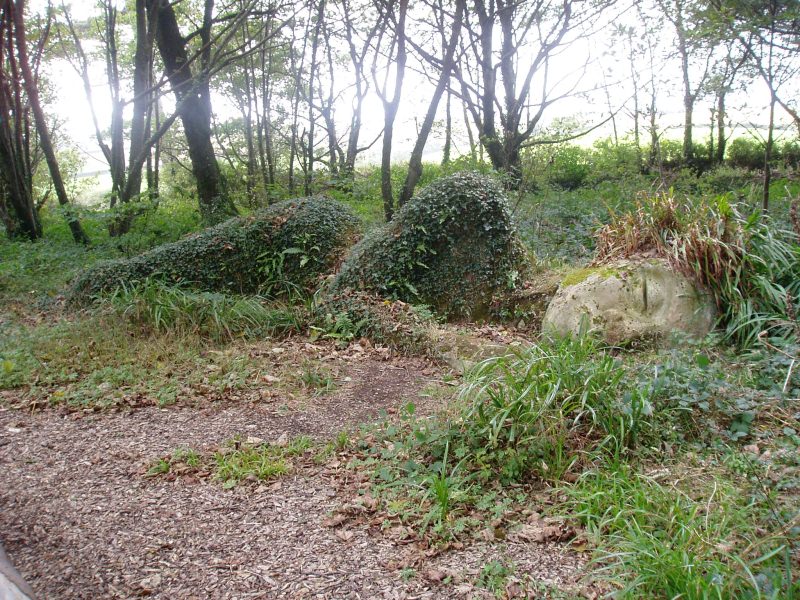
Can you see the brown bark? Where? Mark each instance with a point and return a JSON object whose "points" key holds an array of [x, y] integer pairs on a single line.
{"points": [[18, 211], [45, 142], [390, 104], [415, 162], [504, 121], [194, 107]]}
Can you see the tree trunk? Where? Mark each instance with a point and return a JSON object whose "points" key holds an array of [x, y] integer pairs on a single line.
{"points": [[448, 128], [17, 208], [768, 154], [41, 123], [721, 142], [194, 107], [309, 174], [473, 151], [390, 112], [415, 162]]}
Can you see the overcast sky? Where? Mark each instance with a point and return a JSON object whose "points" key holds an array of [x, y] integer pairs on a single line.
{"points": [[607, 66]]}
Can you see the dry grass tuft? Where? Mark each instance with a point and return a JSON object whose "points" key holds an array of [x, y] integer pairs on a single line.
{"points": [[751, 265]]}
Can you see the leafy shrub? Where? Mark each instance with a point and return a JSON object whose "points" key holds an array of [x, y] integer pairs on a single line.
{"points": [[570, 167], [668, 154], [746, 153], [661, 541], [790, 153], [612, 161], [751, 266], [451, 247], [308, 236], [725, 178]]}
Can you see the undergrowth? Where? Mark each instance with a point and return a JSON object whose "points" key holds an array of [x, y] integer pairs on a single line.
{"points": [[569, 419], [162, 308], [234, 462], [751, 266]]}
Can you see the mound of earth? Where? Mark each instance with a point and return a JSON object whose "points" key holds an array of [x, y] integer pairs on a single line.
{"points": [[629, 301], [453, 247], [296, 241]]}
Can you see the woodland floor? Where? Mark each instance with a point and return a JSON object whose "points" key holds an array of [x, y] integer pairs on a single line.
{"points": [[81, 518]]}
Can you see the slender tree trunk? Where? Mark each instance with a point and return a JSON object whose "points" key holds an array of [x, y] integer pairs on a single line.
{"points": [[448, 129], [309, 171], [635, 79], [721, 141], [297, 69], [130, 180], [688, 96], [266, 102], [473, 151], [18, 210], [415, 162], [194, 107], [711, 145], [390, 112], [41, 123], [768, 155], [688, 113]]}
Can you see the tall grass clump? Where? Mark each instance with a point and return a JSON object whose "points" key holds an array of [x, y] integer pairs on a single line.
{"points": [[222, 317], [658, 540], [749, 263], [536, 410]]}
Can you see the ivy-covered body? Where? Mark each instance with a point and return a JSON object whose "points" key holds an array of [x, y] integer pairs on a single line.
{"points": [[302, 238], [452, 247]]}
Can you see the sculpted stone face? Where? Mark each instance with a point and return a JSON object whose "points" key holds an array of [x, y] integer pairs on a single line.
{"points": [[630, 301]]}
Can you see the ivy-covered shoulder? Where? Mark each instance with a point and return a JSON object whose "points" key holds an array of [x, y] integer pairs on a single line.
{"points": [[452, 247], [310, 235]]}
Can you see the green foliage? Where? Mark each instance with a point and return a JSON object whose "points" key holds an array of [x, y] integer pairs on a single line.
{"points": [[524, 412], [452, 247], [531, 415], [570, 167], [790, 153], [308, 234], [668, 154], [317, 379], [751, 266], [746, 153], [258, 463], [348, 316], [663, 541], [494, 577], [725, 179], [235, 462], [168, 308], [614, 162]]}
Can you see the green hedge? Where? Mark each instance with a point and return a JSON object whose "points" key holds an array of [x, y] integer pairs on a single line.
{"points": [[452, 247], [295, 241]]}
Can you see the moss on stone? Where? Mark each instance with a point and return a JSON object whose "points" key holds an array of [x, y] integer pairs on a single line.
{"points": [[580, 275]]}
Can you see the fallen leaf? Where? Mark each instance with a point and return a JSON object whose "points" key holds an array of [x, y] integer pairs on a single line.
{"points": [[335, 520], [344, 534], [514, 590], [436, 575]]}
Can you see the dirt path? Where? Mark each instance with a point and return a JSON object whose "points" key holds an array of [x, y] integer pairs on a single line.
{"points": [[79, 520]]}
